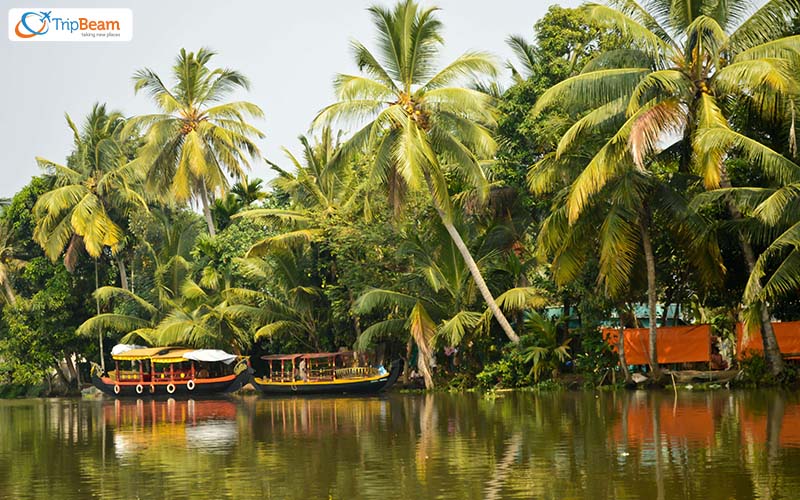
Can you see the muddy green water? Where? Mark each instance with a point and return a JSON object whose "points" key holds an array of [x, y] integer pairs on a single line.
{"points": [[564, 445]]}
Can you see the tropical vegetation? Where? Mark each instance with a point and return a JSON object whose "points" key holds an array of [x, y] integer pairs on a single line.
{"points": [[480, 220]]}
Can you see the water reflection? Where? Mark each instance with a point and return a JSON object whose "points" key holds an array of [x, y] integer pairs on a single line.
{"points": [[715, 445], [206, 426]]}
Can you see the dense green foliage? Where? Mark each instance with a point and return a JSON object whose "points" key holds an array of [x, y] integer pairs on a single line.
{"points": [[481, 232]]}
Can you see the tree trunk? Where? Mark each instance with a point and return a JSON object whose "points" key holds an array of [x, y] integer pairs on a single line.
{"points": [[356, 319], [73, 373], [408, 368], [423, 363], [665, 313], [621, 350], [62, 377], [97, 303], [473, 268], [644, 223], [479, 282], [123, 274], [207, 211], [78, 370], [772, 352], [10, 292], [563, 328]]}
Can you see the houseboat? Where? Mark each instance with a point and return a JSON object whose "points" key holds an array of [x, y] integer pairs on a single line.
{"points": [[170, 371], [323, 373]]}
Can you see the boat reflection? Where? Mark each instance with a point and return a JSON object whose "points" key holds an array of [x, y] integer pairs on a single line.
{"points": [[315, 417], [209, 426]]}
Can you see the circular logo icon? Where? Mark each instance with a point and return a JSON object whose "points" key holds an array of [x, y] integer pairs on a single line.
{"points": [[24, 28]]}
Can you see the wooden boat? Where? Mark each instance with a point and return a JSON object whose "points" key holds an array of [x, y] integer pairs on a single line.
{"points": [[323, 373], [171, 371], [714, 376]]}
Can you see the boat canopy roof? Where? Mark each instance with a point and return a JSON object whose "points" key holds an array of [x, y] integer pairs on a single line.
{"points": [[121, 348], [172, 356], [141, 353], [210, 355], [125, 352], [306, 355]]}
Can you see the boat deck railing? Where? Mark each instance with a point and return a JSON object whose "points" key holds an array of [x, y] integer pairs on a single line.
{"points": [[354, 372], [324, 375], [133, 375]]}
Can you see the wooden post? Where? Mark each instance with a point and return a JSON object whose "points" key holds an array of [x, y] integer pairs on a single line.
{"points": [[116, 364]]}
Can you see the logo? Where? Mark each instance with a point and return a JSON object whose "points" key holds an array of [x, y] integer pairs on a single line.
{"points": [[78, 25], [24, 30]]}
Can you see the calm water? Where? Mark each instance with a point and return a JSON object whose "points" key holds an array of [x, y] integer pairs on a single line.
{"points": [[719, 445]]}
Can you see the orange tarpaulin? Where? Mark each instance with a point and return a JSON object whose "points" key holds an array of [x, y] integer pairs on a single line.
{"points": [[787, 334], [676, 344]]}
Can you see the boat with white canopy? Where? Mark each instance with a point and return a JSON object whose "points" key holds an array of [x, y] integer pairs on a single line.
{"points": [[170, 371]]}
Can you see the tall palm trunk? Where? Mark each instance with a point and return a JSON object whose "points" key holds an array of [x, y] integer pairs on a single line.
{"points": [[621, 349], [652, 297], [12, 298], [424, 356], [473, 269], [407, 368], [97, 303], [772, 352], [123, 274], [207, 211]]}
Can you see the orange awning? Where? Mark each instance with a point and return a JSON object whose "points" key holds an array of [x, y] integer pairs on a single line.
{"points": [[787, 334], [676, 344]]}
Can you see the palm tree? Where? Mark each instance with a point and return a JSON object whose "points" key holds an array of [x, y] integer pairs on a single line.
{"points": [[285, 301], [241, 196], [92, 194], [202, 319], [420, 125], [320, 186], [9, 263], [696, 60], [544, 351], [321, 181], [248, 191], [137, 315], [617, 226], [137, 323], [527, 56], [438, 301], [195, 142]]}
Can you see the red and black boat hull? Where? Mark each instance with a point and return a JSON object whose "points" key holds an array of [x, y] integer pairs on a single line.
{"points": [[178, 388]]}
